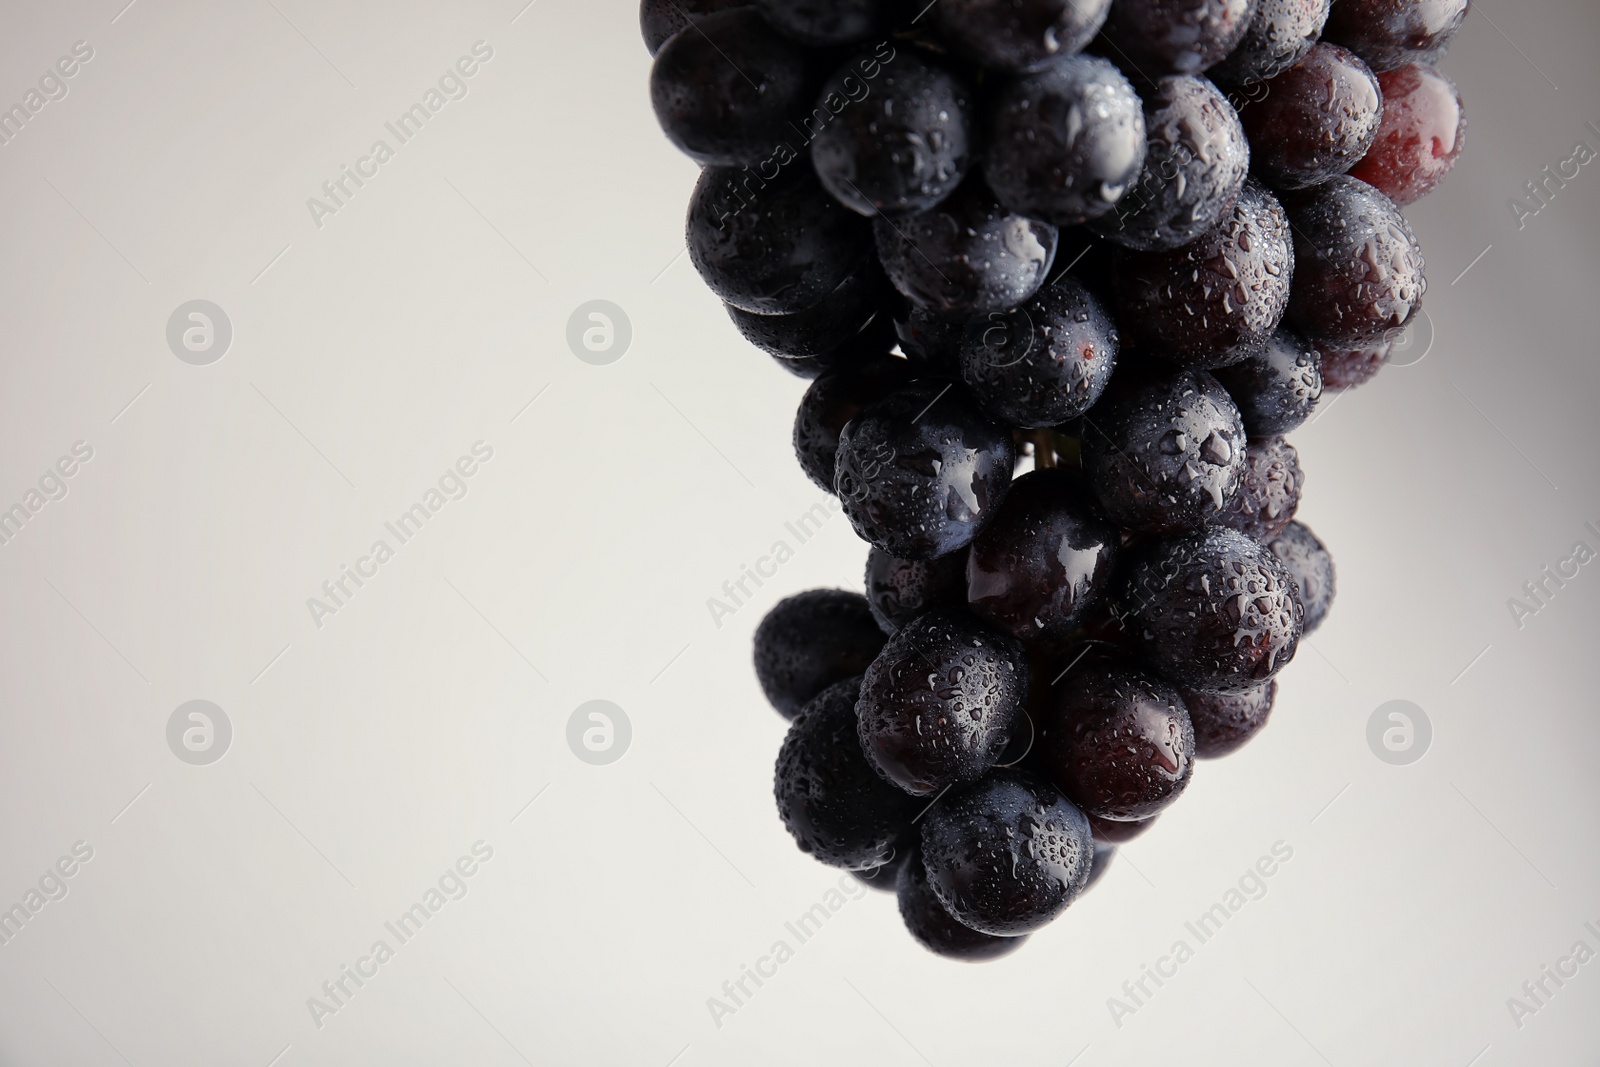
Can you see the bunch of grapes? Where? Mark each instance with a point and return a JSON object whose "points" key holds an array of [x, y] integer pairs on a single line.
{"points": [[1120, 246]]}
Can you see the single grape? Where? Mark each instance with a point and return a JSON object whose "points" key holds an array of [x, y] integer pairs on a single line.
{"points": [[1276, 388], [1006, 854], [1018, 36], [820, 329], [660, 19], [1280, 33], [1165, 456], [832, 401], [1392, 33], [829, 797], [1309, 564], [772, 248], [1358, 268], [1212, 611], [1346, 368], [966, 256], [1216, 300], [1044, 560], [1110, 832], [940, 703], [1066, 142], [1044, 362], [1223, 722], [1195, 162], [1117, 742], [726, 93], [1156, 37], [902, 142], [811, 640], [826, 23], [921, 471], [1317, 119], [899, 590], [935, 928], [1269, 492], [1420, 137]]}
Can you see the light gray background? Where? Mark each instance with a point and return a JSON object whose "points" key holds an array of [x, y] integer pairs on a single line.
{"points": [[368, 754]]}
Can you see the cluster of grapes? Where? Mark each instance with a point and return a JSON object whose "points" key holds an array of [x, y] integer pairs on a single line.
{"points": [[887, 188]]}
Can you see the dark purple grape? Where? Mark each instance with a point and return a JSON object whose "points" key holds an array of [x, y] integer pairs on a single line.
{"points": [[1223, 722], [1346, 368], [931, 342], [1280, 33], [1277, 388], [1392, 33], [1006, 854], [660, 19], [1109, 832], [1212, 611], [940, 703], [1315, 120], [1358, 274], [935, 928], [921, 471], [818, 330], [1066, 142], [811, 640], [901, 143], [871, 345], [1213, 301], [966, 256], [772, 248], [899, 590], [1019, 35], [1195, 162], [1420, 139], [1044, 362], [1156, 37], [1117, 742], [726, 92], [1165, 456], [829, 797], [826, 23], [1309, 564], [1044, 560], [832, 401], [1269, 492]]}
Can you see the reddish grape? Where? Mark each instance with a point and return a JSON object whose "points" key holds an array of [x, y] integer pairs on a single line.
{"points": [[1420, 136], [1223, 722], [1317, 119], [1346, 368], [1392, 33]]}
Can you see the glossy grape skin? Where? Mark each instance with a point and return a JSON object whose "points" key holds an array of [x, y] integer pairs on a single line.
{"points": [[1213, 301], [1212, 611], [1043, 561], [1392, 33], [1117, 742], [935, 928], [832, 401], [1269, 492], [921, 471], [825, 23], [1044, 362], [1223, 722], [1118, 832], [1280, 33], [940, 703], [1018, 36], [819, 329], [811, 640], [660, 19], [1358, 268], [1165, 456], [782, 251], [1346, 368], [1195, 163], [1278, 387], [725, 94], [1309, 564], [1421, 136], [1066, 142], [901, 147], [966, 256], [830, 799], [1006, 854], [1317, 119], [1156, 37], [899, 590]]}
